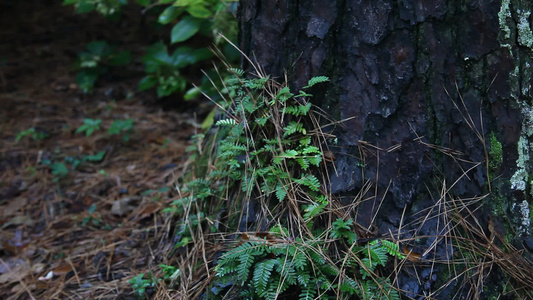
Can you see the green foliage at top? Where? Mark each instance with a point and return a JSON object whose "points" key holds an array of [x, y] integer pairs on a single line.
{"points": [[163, 67]]}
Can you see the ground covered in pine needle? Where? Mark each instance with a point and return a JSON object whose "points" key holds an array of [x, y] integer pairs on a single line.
{"points": [[81, 215]]}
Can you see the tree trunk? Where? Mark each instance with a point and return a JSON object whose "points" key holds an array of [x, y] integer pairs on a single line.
{"points": [[432, 97]]}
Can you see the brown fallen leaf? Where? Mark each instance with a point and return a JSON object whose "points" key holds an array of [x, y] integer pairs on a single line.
{"points": [[410, 255], [148, 210]]}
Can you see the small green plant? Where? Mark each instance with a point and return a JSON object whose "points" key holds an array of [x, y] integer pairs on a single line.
{"points": [[89, 126], [124, 127], [140, 284], [35, 135], [170, 272], [60, 169], [96, 61], [92, 217]]}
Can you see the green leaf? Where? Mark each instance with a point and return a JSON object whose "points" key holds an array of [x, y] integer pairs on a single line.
{"points": [[185, 29], [316, 80], [156, 57], [262, 273], [95, 157], [192, 93], [184, 56], [199, 11], [304, 163], [310, 181], [147, 82], [208, 121], [187, 2], [291, 153], [280, 192], [85, 6], [168, 15], [314, 160], [59, 169]]}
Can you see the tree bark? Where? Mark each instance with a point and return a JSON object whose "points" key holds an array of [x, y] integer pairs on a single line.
{"points": [[436, 85]]}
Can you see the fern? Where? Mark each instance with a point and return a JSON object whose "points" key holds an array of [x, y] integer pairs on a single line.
{"points": [[281, 192], [309, 181], [316, 80], [246, 260], [226, 122], [299, 110], [350, 286], [308, 293], [377, 253], [278, 162], [283, 95], [256, 84], [304, 163], [236, 71], [392, 248], [294, 127], [262, 273], [315, 160], [313, 210]]}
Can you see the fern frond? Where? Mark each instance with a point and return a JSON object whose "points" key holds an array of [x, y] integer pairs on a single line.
{"points": [[226, 122], [281, 192], [262, 273], [294, 127], [315, 160], [246, 260], [299, 110], [304, 163], [316, 80], [283, 95], [377, 253], [392, 248], [236, 71], [308, 293], [309, 181], [350, 286]]}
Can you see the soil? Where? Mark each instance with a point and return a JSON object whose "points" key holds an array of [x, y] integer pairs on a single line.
{"points": [[73, 226]]}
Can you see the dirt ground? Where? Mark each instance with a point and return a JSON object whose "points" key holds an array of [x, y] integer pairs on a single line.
{"points": [[83, 231]]}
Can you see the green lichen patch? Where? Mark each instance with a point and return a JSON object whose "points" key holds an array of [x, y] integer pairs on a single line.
{"points": [[495, 154], [504, 15], [525, 35]]}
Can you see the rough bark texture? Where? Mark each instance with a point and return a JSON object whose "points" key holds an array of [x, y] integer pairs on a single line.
{"points": [[391, 63]]}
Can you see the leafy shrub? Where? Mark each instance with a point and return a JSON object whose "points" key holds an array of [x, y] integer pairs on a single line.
{"points": [[268, 150], [189, 19]]}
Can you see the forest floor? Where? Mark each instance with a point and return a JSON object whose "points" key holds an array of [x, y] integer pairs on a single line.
{"points": [[80, 215]]}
